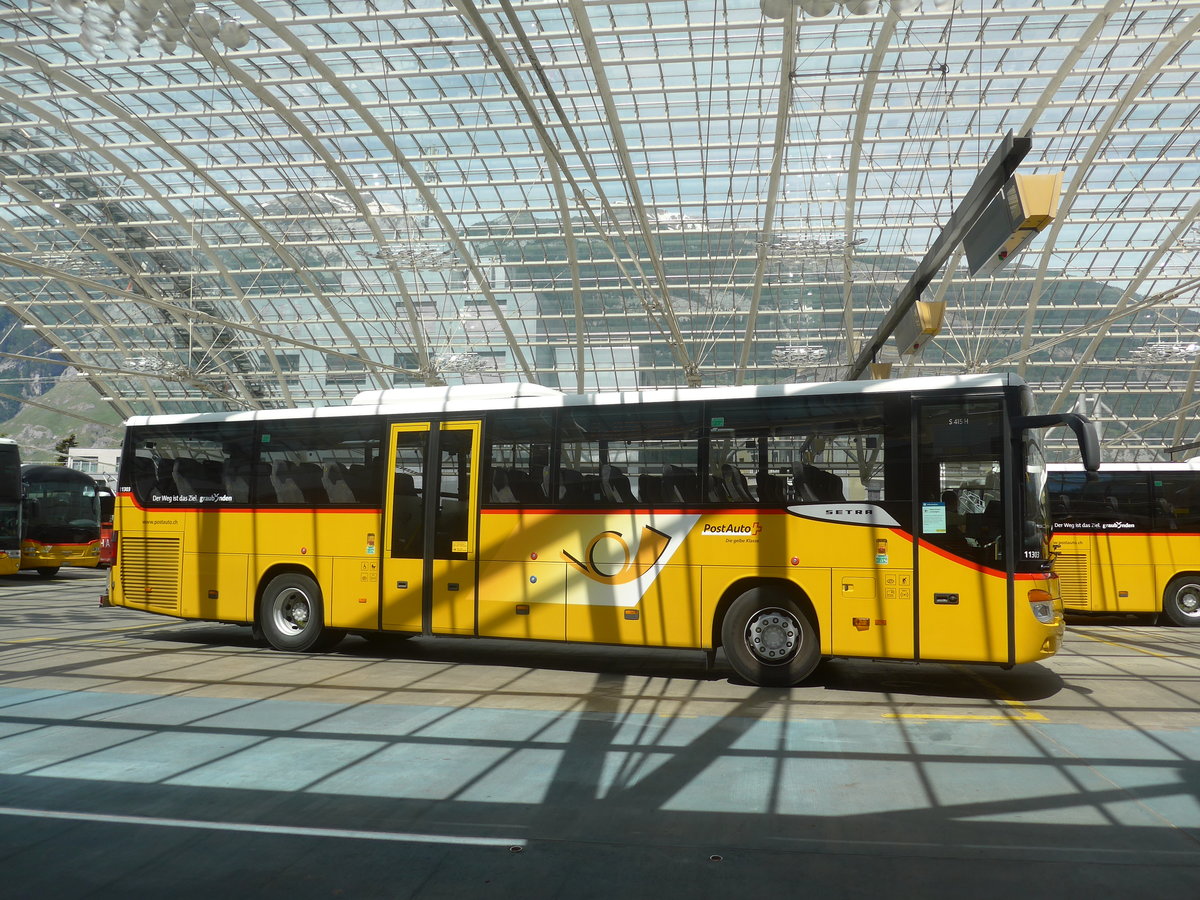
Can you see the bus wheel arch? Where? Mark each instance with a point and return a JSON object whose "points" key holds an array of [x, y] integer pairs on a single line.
{"points": [[290, 610], [769, 632], [1181, 601]]}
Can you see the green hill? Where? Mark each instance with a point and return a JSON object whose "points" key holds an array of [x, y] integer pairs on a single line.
{"points": [[37, 428]]}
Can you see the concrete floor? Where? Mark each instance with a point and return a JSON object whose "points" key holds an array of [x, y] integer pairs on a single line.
{"points": [[143, 756]]}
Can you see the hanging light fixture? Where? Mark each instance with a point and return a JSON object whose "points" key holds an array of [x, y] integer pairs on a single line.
{"points": [[128, 24]]}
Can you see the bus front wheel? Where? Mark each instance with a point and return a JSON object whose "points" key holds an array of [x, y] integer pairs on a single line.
{"points": [[769, 640], [1181, 601], [292, 615]]}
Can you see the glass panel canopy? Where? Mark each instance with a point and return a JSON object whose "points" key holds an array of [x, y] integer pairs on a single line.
{"points": [[243, 205]]}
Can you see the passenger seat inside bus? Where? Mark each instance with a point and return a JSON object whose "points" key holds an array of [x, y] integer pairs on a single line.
{"points": [[142, 468], [501, 491], [286, 489], [736, 483], [164, 477], [237, 481], [650, 489], [679, 484], [715, 490], [615, 486], [772, 488], [333, 479], [571, 488], [813, 485]]}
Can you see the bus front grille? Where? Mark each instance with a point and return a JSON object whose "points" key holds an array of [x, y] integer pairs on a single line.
{"points": [[1072, 570], [150, 572]]}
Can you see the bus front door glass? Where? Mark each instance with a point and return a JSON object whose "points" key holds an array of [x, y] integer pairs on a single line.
{"points": [[960, 516], [429, 542]]}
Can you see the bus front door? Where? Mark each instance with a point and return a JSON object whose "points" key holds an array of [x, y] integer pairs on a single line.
{"points": [[429, 541], [962, 598]]}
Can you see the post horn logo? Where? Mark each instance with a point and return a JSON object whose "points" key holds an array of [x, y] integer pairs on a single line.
{"points": [[649, 551]]}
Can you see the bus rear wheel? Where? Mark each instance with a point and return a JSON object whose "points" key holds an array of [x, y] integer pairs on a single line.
{"points": [[1181, 601], [48, 571], [769, 640], [292, 615]]}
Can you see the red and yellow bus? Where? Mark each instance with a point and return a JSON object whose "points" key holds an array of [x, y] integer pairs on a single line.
{"points": [[1127, 540], [61, 519], [896, 520]]}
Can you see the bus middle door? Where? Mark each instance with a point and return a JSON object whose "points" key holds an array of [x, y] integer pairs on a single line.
{"points": [[430, 533]]}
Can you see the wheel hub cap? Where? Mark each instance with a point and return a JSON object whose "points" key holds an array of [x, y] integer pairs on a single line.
{"points": [[773, 635], [293, 613], [1189, 602]]}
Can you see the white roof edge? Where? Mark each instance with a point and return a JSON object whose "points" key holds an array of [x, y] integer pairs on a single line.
{"points": [[475, 393], [1190, 465], [523, 395]]}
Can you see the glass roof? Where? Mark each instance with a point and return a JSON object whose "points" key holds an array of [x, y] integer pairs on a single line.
{"points": [[252, 204]]}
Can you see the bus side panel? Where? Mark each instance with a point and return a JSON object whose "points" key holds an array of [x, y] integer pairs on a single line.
{"points": [[353, 601], [666, 614], [873, 612], [1120, 573], [215, 587], [339, 546], [522, 599]]}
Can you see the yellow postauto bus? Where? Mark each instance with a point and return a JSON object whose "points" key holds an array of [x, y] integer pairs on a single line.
{"points": [[897, 520], [1127, 540], [10, 507]]}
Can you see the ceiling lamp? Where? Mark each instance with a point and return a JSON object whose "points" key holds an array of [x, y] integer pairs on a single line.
{"points": [[465, 363], [786, 247], [153, 365], [128, 24], [793, 356], [1166, 351], [777, 9]]}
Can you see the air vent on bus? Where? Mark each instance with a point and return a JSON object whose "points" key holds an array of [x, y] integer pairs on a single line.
{"points": [[1072, 571], [150, 572]]}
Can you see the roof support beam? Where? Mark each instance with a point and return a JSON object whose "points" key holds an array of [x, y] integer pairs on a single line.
{"points": [[987, 183]]}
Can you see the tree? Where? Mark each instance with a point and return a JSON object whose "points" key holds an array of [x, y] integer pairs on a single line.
{"points": [[63, 447]]}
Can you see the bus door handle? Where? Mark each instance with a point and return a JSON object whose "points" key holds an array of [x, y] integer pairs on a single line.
{"points": [[945, 599], [402, 585]]}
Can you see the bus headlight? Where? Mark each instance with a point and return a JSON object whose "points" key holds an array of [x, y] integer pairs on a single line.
{"points": [[1042, 605]]}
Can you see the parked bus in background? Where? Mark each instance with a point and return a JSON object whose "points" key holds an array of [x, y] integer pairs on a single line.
{"points": [[1127, 540], [61, 519], [10, 507], [892, 519]]}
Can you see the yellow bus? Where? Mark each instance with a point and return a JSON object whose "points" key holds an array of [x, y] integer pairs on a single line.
{"points": [[897, 520], [60, 519], [10, 507], [1127, 540]]}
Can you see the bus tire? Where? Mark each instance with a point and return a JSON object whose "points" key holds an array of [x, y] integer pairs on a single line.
{"points": [[47, 571], [1181, 601], [769, 639], [292, 614]]}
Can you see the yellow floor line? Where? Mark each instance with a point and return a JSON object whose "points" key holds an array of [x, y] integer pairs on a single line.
{"points": [[1121, 645], [1021, 712]]}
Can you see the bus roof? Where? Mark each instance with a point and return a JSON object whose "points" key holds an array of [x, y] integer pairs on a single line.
{"points": [[523, 395]]}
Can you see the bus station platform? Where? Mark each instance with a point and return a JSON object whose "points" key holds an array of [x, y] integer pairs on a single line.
{"points": [[146, 756]]}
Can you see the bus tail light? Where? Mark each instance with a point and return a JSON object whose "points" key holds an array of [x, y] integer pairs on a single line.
{"points": [[1042, 604]]}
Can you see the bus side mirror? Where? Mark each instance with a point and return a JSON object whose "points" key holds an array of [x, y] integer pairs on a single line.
{"points": [[1085, 434]]}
